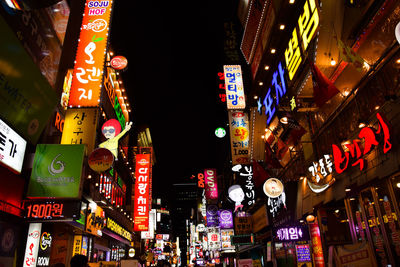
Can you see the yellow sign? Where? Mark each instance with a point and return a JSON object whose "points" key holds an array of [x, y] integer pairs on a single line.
{"points": [[96, 221], [80, 127], [116, 228], [308, 23], [77, 245]]}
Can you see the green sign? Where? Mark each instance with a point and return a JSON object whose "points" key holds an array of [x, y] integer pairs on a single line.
{"points": [[56, 171], [119, 113], [26, 98]]}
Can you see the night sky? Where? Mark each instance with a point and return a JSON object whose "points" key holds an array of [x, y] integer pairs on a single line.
{"points": [[174, 51]]}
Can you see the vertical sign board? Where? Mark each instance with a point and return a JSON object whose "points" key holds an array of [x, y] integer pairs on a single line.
{"points": [[90, 56], [56, 171], [12, 148], [43, 258], [141, 211], [234, 87], [80, 127], [239, 134], [211, 183], [318, 254], [32, 245]]}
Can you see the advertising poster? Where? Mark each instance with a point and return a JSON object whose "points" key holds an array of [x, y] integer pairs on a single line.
{"points": [[141, 205], [303, 254], [32, 245], [56, 171], [226, 239], [355, 255], [95, 221], [80, 127], [211, 185], [240, 136], [31, 110], [89, 62]]}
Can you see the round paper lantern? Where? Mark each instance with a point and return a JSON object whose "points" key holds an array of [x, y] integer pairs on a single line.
{"points": [[119, 62], [273, 188], [100, 160]]}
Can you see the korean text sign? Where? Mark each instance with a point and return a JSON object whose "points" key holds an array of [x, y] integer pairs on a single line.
{"points": [[307, 26], [234, 87], [211, 183], [90, 56], [80, 127], [32, 245], [240, 136], [56, 171], [12, 148], [142, 174]]}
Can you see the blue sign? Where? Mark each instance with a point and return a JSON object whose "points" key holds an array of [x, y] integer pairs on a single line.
{"points": [[278, 83]]}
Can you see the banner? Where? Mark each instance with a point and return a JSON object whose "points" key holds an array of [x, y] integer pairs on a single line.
{"points": [[225, 219], [56, 171], [89, 62], [141, 205], [240, 136], [80, 127]]}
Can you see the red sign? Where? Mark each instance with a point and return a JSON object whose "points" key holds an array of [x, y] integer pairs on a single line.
{"points": [[89, 62], [119, 62], [356, 151], [316, 245], [141, 210], [200, 181]]}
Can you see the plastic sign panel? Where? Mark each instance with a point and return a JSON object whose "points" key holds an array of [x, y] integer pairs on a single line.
{"points": [[270, 102], [225, 219], [316, 243], [303, 253], [212, 215], [152, 223], [43, 258], [12, 148], [32, 245], [247, 183], [141, 205], [214, 238], [211, 185], [90, 56], [56, 171], [321, 174], [80, 127], [235, 98], [301, 37], [240, 136]]}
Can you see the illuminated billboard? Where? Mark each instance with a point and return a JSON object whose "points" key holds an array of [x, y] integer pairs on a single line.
{"points": [[141, 210], [90, 56], [234, 87]]}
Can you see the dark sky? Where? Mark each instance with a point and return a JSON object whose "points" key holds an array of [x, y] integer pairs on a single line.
{"points": [[174, 51]]}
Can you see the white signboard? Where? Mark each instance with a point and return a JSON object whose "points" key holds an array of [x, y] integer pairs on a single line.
{"points": [[234, 87], [152, 222], [32, 245], [12, 147]]}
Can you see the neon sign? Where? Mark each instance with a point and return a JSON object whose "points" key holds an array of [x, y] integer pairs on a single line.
{"points": [[307, 26], [354, 150], [294, 233], [321, 174], [278, 82]]}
